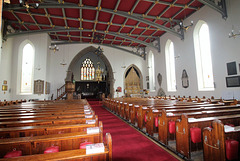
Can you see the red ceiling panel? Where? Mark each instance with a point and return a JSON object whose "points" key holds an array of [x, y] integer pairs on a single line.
{"points": [[75, 33], [90, 2], [142, 7], [101, 27], [104, 16], [72, 23], [126, 5], [58, 22], [24, 17], [118, 19], [113, 28], [131, 22], [89, 14], [55, 11], [109, 36], [171, 12], [8, 15], [157, 9], [88, 25], [70, 12], [159, 33], [87, 34], [39, 10], [109, 4], [148, 32], [119, 38], [42, 20], [137, 31], [126, 30]]}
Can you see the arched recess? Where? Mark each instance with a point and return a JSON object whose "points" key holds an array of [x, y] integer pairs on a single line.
{"points": [[138, 72], [104, 59]]}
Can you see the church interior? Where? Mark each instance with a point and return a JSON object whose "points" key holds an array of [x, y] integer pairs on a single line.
{"points": [[120, 80]]}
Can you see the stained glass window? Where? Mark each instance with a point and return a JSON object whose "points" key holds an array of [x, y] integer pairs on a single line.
{"points": [[87, 70]]}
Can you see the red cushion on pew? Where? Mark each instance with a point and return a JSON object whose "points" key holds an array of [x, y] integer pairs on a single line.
{"points": [[13, 153], [232, 149], [83, 145], [195, 134], [145, 118], [52, 149], [156, 121], [171, 127]]}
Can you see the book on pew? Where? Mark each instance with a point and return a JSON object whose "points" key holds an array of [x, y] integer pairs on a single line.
{"points": [[86, 107], [95, 148], [87, 111], [237, 128], [93, 130], [228, 128], [88, 116], [90, 121]]}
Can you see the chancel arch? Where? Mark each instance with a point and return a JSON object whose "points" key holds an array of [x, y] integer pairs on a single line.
{"points": [[133, 81], [98, 61]]}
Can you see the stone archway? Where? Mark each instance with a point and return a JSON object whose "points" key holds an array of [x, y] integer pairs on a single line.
{"points": [[104, 59], [139, 78]]}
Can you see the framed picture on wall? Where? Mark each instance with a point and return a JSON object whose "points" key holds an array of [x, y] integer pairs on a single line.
{"points": [[233, 81], [231, 68]]}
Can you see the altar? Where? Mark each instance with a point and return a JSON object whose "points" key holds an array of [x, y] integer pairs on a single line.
{"points": [[91, 89]]}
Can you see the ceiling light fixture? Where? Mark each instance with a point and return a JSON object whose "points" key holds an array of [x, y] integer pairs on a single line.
{"points": [[54, 48], [24, 3], [232, 34], [185, 28]]}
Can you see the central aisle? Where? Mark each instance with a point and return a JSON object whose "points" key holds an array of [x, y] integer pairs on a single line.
{"points": [[128, 144]]}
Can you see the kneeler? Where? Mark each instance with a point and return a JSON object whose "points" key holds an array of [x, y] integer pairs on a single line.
{"points": [[13, 153], [195, 134], [52, 149], [231, 149], [171, 127]]}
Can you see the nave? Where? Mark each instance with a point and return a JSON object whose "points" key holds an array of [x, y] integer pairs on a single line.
{"points": [[128, 143]]}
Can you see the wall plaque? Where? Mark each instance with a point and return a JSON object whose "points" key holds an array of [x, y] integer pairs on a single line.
{"points": [[38, 86], [233, 81]]}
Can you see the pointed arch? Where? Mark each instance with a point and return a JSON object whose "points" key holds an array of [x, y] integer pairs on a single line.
{"points": [[137, 87], [104, 59]]}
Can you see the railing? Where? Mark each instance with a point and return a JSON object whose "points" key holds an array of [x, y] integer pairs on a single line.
{"points": [[61, 92]]}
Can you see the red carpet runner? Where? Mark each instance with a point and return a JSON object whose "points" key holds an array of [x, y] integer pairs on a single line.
{"points": [[128, 144]]}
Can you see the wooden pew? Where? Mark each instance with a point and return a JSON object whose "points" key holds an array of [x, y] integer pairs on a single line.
{"points": [[37, 144], [214, 147], [79, 154], [164, 118], [46, 122], [183, 125], [25, 131]]}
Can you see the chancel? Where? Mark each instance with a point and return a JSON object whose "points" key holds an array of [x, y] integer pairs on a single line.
{"points": [[120, 80]]}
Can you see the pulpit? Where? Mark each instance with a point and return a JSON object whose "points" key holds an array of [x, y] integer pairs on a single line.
{"points": [[69, 88]]}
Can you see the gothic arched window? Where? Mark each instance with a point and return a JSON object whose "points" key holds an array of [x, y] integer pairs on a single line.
{"points": [[203, 57], [27, 69], [87, 70]]}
